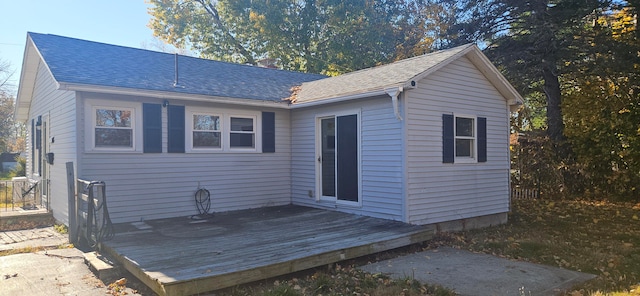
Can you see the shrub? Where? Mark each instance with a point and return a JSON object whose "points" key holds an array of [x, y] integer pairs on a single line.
{"points": [[21, 169]]}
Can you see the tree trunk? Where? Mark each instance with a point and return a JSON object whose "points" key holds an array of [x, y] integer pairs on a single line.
{"points": [[555, 125]]}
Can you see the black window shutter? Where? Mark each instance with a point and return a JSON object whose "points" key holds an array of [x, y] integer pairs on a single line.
{"points": [[448, 139], [152, 128], [482, 139], [176, 123], [39, 133], [33, 144], [268, 132]]}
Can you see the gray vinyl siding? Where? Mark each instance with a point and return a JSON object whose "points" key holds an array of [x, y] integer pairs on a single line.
{"points": [[436, 191], [380, 158], [142, 186], [60, 107]]}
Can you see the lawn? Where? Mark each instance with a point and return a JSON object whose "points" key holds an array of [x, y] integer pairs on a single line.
{"points": [[602, 238], [6, 192]]}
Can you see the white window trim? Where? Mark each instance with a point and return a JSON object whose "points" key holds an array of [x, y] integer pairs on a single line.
{"points": [[474, 152], [90, 107], [189, 135], [229, 131], [225, 129]]}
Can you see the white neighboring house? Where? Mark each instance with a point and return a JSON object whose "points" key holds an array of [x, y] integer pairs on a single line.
{"points": [[423, 140]]}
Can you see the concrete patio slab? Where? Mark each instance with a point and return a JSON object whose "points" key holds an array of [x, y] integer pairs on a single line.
{"points": [[52, 272], [470, 273]]}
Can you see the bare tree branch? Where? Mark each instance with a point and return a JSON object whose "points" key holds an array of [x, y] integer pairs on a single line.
{"points": [[5, 75], [213, 11]]}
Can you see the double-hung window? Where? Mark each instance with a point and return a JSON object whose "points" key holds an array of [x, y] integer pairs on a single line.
{"points": [[207, 132], [113, 128], [222, 130], [242, 132], [465, 137]]}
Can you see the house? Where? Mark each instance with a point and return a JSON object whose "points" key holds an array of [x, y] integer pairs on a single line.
{"points": [[423, 140], [8, 161]]}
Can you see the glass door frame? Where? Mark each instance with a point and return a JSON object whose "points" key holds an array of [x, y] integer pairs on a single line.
{"points": [[318, 157]]}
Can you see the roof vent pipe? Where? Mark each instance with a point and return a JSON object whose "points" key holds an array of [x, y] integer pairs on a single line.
{"points": [[175, 70], [393, 93]]}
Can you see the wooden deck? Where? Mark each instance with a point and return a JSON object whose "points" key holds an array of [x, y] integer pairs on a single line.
{"points": [[182, 256]]}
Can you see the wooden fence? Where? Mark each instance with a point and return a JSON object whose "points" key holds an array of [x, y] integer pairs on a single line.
{"points": [[518, 192]]}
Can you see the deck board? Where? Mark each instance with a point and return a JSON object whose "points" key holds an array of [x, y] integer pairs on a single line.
{"points": [[179, 257]]}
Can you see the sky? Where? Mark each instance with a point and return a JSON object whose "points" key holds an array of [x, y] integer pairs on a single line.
{"points": [[119, 22]]}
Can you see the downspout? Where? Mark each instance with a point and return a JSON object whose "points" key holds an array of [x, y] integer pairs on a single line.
{"points": [[393, 93]]}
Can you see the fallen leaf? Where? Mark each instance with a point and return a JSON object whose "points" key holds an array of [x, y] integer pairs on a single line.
{"points": [[121, 282]]}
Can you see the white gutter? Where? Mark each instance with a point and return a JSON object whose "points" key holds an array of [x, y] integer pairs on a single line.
{"points": [[393, 93], [514, 104], [171, 95]]}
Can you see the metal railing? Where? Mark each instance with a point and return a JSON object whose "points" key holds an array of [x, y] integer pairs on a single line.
{"points": [[21, 194]]}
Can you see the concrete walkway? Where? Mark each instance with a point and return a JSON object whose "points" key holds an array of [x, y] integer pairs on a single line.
{"points": [[37, 237], [53, 272], [470, 273]]}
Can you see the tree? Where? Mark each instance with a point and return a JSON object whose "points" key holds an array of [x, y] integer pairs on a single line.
{"points": [[603, 99], [577, 61], [5, 75], [530, 41], [328, 36], [8, 127]]}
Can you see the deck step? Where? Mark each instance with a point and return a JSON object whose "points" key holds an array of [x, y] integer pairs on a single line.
{"points": [[104, 269]]}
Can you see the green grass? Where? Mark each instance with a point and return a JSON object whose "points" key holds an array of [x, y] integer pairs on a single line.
{"points": [[21, 251], [61, 228]]}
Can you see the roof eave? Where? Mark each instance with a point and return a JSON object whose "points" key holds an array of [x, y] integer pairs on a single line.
{"points": [[28, 73], [170, 95], [411, 82], [368, 94], [495, 77], [485, 66]]}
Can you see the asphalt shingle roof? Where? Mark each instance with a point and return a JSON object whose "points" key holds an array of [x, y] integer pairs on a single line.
{"points": [[77, 61], [376, 78]]}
